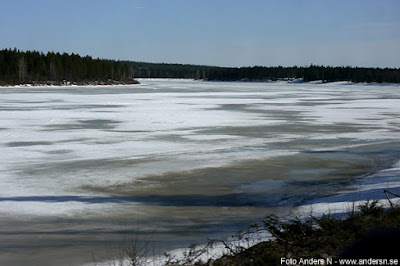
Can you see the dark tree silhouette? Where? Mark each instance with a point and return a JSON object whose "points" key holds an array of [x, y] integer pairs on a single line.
{"points": [[18, 67]]}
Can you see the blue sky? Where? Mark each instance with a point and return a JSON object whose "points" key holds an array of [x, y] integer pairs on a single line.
{"points": [[211, 32]]}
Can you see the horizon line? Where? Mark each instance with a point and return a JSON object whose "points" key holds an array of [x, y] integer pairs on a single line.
{"points": [[202, 65]]}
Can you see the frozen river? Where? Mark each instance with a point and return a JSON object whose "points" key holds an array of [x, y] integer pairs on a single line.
{"points": [[181, 160]]}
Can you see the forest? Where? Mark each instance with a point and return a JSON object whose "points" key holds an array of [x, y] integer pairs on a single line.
{"points": [[260, 73], [19, 67]]}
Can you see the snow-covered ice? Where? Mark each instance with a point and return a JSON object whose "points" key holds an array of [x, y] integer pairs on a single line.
{"points": [[202, 158]]}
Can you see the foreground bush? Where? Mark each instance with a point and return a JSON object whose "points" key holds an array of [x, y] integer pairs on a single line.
{"points": [[373, 232]]}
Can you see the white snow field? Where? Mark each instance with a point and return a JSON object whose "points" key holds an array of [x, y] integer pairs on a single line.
{"points": [[182, 160]]}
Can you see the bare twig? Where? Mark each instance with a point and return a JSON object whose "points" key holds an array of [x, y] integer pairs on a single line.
{"points": [[387, 196]]}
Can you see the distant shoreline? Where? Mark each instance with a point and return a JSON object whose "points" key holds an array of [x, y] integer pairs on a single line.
{"points": [[320, 82], [70, 83], [136, 82], [19, 67]]}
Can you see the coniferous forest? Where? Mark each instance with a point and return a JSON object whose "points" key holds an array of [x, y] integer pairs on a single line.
{"points": [[18, 67], [260, 73]]}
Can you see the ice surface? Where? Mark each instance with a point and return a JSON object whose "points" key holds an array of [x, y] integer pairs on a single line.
{"points": [[194, 154], [56, 140]]}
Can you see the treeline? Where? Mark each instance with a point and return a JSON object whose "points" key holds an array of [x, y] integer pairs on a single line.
{"points": [[35, 67], [259, 73], [354, 74], [164, 70], [18, 67]]}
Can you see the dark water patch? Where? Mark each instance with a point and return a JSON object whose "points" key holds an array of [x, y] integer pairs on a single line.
{"points": [[129, 131], [58, 232], [104, 112], [328, 142], [179, 138], [59, 151], [354, 152], [86, 107], [28, 143], [97, 121], [290, 194], [252, 108], [74, 140], [297, 177], [229, 200], [67, 107], [370, 194], [99, 124], [35, 102], [232, 106], [240, 107], [20, 109], [384, 154], [61, 169], [275, 130], [262, 179]]}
